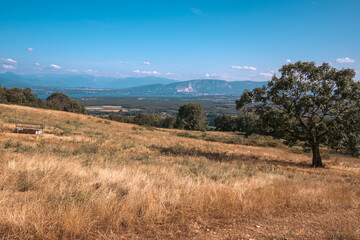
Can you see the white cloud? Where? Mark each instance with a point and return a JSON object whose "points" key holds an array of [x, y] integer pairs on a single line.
{"points": [[54, 66], [8, 66], [73, 71], [8, 60], [345, 60], [31, 49], [91, 71], [146, 63], [197, 11], [266, 74], [244, 68], [37, 64], [208, 75], [288, 61], [146, 72]]}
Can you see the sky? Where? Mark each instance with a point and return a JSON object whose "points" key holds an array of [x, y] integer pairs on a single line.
{"points": [[183, 40]]}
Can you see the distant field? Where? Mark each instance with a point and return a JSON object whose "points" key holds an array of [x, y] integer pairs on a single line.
{"points": [[213, 105], [90, 178]]}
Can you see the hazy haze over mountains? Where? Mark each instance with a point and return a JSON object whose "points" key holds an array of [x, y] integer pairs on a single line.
{"points": [[200, 86], [10, 79], [152, 85]]}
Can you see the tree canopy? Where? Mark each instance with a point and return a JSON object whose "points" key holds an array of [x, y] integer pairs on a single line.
{"points": [[20, 96], [25, 97], [62, 102], [308, 103], [191, 116], [225, 123]]}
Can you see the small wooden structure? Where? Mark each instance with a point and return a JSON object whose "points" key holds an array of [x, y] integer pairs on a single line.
{"points": [[29, 128]]}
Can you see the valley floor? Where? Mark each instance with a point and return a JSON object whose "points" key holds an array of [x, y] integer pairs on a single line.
{"points": [[89, 178]]}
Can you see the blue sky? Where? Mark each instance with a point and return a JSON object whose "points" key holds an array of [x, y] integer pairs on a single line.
{"points": [[231, 40]]}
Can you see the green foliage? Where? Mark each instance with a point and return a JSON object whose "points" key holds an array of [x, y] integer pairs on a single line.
{"points": [[191, 116], [168, 122], [62, 102], [148, 120], [308, 103], [76, 107], [225, 123], [121, 118], [153, 120], [345, 137], [248, 124], [243, 123], [25, 97], [21, 97]]}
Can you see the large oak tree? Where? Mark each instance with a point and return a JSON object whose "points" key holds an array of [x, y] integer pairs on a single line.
{"points": [[309, 103]]}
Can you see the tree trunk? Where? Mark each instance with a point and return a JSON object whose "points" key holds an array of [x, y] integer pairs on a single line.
{"points": [[316, 161]]}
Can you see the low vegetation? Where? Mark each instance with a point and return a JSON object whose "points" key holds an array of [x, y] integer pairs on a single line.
{"points": [[92, 178]]}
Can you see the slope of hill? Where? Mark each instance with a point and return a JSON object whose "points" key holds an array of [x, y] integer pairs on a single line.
{"points": [[88, 178], [202, 86]]}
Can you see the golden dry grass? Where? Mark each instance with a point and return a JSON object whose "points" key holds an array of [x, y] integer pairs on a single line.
{"points": [[88, 178]]}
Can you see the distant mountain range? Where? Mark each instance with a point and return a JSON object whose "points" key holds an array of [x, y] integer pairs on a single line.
{"points": [[200, 87], [48, 81], [152, 85]]}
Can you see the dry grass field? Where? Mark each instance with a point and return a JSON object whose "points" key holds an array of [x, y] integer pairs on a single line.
{"points": [[89, 178]]}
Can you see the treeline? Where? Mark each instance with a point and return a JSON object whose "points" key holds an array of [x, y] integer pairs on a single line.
{"points": [[153, 120], [225, 123], [242, 123], [20, 97], [190, 116], [24, 97]]}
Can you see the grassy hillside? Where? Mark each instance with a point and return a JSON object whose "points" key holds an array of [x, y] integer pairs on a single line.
{"points": [[89, 178]]}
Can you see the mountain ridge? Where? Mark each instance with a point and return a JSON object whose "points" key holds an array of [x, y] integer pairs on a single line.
{"points": [[48, 81], [200, 86], [154, 85]]}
